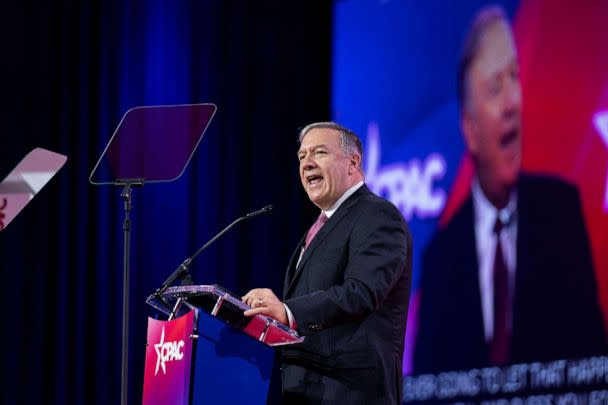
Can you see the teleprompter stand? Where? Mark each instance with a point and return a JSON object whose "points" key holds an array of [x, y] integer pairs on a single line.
{"points": [[152, 144]]}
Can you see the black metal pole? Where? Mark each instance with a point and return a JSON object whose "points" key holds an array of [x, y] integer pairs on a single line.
{"points": [[124, 387]]}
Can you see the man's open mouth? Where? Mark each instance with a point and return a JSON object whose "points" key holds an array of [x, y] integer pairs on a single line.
{"points": [[314, 179], [509, 137]]}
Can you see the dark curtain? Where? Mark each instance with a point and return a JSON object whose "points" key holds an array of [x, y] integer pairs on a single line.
{"points": [[70, 70]]}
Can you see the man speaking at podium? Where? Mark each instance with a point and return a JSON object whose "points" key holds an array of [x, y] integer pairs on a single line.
{"points": [[347, 285]]}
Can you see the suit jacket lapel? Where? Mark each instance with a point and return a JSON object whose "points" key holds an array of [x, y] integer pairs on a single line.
{"points": [[291, 268], [318, 239], [524, 218], [467, 306]]}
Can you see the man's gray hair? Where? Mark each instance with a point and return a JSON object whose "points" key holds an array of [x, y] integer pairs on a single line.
{"points": [[349, 141], [485, 17]]}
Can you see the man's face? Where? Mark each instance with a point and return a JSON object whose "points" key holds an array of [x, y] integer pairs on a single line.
{"points": [[326, 171], [492, 112]]}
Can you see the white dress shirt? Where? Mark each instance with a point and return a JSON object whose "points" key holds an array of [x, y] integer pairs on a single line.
{"points": [[485, 217]]}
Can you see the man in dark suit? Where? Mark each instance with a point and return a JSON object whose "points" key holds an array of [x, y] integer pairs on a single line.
{"points": [[510, 279], [347, 285]]}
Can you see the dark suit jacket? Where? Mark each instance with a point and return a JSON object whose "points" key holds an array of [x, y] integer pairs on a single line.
{"points": [[349, 296], [555, 314]]}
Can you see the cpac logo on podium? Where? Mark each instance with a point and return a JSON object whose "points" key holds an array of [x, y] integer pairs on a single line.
{"points": [[167, 351]]}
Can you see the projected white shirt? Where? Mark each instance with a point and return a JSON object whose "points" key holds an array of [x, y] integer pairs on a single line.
{"points": [[485, 217]]}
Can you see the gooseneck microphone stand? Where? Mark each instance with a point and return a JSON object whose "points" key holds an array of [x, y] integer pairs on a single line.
{"points": [[184, 269]]}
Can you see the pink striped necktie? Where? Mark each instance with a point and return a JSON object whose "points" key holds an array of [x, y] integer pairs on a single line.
{"points": [[314, 229]]}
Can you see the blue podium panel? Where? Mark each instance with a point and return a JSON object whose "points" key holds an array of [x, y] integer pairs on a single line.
{"points": [[230, 367]]}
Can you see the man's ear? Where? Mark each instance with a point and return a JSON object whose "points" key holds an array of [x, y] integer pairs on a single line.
{"points": [[355, 162], [469, 131]]}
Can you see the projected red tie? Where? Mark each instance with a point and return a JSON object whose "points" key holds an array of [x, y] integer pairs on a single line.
{"points": [[499, 346], [315, 228]]}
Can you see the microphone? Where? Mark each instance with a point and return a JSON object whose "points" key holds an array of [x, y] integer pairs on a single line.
{"points": [[266, 210], [184, 268]]}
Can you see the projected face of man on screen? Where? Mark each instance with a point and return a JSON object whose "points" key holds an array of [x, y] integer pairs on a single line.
{"points": [[491, 113]]}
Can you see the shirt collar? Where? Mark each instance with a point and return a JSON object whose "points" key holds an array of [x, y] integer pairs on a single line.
{"points": [[486, 212], [331, 210]]}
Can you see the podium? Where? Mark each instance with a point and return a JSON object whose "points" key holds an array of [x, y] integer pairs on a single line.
{"points": [[207, 351]]}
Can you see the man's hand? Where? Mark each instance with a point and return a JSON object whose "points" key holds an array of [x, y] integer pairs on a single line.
{"points": [[264, 302]]}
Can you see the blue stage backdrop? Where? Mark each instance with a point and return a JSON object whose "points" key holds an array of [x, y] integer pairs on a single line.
{"points": [[71, 70]]}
